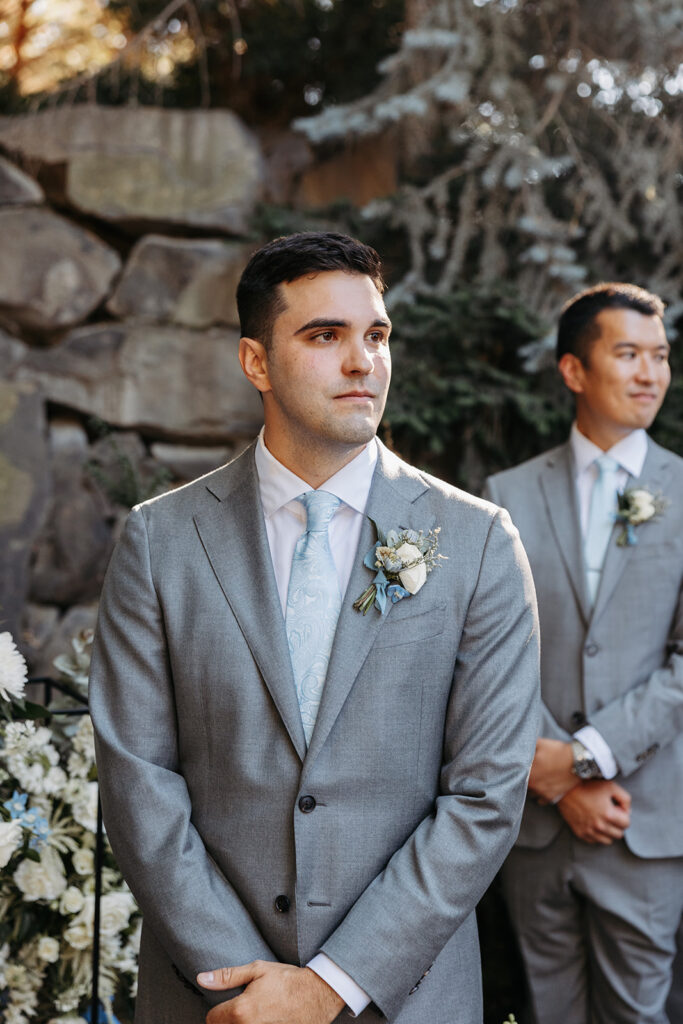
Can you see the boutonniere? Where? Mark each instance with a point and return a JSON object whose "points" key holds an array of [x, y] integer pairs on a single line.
{"points": [[635, 506], [402, 559]]}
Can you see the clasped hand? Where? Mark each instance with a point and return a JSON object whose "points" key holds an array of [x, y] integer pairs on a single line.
{"points": [[273, 994], [597, 811]]}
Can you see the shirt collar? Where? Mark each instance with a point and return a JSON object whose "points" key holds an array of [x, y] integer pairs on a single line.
{"points": [[279, 486], [630, 452]]}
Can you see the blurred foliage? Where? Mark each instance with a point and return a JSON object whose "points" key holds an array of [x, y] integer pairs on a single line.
{"points": [[268, 60], [460, 404]]}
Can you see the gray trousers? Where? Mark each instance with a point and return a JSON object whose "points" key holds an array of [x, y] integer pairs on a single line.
{"points": [[597, 930], [674, 1006]]}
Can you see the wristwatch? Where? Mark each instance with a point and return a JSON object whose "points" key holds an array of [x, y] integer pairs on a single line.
{"points": [[585, 766]]}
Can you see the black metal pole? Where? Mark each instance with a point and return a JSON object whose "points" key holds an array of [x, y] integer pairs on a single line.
{"points": [[99, 857]]}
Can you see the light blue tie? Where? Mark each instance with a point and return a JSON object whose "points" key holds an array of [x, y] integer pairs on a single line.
{"points": [[603, 506], [313, 604]]}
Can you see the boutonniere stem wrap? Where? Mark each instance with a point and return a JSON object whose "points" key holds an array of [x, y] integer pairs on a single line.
{"points": [[635, 506], [401, 560]]}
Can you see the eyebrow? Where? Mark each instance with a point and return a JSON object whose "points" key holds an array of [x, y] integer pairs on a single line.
{"points": [[663, 347], [323, 322]]}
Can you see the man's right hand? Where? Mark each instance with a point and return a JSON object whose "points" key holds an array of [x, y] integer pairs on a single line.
{"points": [[598, 811]]}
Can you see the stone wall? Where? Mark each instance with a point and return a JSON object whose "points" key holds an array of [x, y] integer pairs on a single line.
{"points": [[123, 239]]}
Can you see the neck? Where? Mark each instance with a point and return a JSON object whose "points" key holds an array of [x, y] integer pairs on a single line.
{"points": [[604, 435], [311, 463]]}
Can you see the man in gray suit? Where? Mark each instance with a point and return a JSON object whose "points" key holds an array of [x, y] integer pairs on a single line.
{"points": [[305, 848], [595, 882]]}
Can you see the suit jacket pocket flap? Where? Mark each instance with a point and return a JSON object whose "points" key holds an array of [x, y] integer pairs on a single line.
{"points": [[408, 629]]}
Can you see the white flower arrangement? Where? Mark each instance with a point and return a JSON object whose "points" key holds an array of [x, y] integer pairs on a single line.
{"points": [[48, 819], [637, 505], [402, 561]]}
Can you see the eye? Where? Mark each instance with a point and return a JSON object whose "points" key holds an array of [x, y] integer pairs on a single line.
{"points": [[324, 336], [377, 337]]}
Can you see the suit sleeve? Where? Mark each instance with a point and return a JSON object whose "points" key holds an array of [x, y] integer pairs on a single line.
{"points": [[145, 800], [432, 883], [549, 728], [650, 715]]}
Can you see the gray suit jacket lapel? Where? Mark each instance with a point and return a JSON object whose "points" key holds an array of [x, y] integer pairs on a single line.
{"points": [[653, 477], [234, 538], [390, 505], [559, 492]]}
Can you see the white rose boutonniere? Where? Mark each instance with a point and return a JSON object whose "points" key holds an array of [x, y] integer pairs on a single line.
{"points": [[635, 506], [403, 560]]}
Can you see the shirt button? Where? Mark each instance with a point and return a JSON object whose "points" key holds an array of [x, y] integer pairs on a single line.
{"points": [[282, 904], [592, 650], [307, 804]]}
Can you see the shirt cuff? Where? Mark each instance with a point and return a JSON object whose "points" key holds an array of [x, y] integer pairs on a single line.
{"points": [[342, 983], [602, 755]]}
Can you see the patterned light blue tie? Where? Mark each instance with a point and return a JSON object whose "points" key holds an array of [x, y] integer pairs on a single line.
{"points": [[603, 506], [313, 604]]}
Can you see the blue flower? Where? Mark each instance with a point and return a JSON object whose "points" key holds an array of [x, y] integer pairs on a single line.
{"points": [[16, 805]]}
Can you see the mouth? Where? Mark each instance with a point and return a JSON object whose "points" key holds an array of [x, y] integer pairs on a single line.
{"points": [[644, 396], [361, 395]]}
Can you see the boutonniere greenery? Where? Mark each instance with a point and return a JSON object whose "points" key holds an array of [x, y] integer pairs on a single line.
{"points": [[635, 506], [402, 561]]}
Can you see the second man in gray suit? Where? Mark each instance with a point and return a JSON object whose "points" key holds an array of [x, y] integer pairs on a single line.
{"points": [[595, 882]]}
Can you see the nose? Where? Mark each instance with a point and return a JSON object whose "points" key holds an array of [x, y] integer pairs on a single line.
{"points": [[357, 357], [646, 368]]}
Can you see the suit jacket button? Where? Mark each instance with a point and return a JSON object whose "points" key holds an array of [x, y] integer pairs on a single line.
{"points": [[578, 719], [282, 904], [307, 804], [592, 650]]}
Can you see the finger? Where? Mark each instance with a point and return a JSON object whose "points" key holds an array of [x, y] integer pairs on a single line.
{"points": [[618, 818], [227, 977], [621, 796], [600, 837]]}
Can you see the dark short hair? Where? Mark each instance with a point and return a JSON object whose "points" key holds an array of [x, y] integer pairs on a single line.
{"points": [[288, 258], [576, 328]]}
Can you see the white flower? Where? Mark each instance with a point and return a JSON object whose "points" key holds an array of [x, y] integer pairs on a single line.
{"points": [[115, 911], [72, 899], [48, 949], [79, 934], [84, 806], [414, 578], [12, 669], [43, 879], [643, 505], [10, 840], [83, 862], [54, 782], [84, 738]]}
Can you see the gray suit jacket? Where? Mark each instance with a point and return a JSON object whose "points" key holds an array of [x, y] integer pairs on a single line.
{"points": [[620, 666], [417, 764]]}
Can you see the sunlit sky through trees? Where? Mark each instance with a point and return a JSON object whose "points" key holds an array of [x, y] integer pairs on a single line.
{"points": [[46, 42]]}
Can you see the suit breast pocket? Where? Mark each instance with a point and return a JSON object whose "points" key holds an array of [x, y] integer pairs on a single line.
{"points": [[406, 628]]}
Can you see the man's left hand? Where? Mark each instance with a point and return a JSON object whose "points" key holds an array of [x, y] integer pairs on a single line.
{"points": [[551, 772], [274, 994]]}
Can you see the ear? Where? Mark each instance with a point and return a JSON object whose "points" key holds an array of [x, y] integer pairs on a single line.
{"points": [[254, 361], [573, 372]]}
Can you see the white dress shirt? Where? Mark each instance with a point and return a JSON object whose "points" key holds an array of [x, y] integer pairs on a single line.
{"points": [[285, 522], [630, 453]]}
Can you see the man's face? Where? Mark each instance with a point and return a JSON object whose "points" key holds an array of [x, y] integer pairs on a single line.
{"points": [[328, 366], [623, 384]]}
